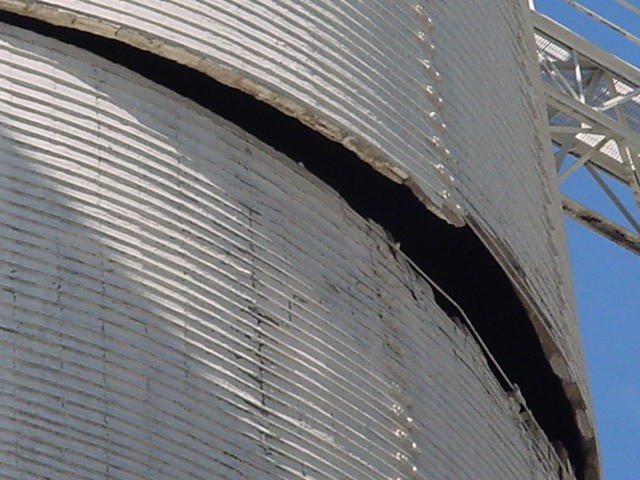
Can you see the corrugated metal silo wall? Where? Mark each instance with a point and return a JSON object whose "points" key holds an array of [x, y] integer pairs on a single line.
{"points": [[468, 139], [180, 301]]}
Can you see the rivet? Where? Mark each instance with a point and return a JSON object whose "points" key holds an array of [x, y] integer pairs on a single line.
{"points": [[429, 22]]}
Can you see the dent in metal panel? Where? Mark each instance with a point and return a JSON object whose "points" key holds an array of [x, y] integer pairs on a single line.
{"points": [[172, 313]]}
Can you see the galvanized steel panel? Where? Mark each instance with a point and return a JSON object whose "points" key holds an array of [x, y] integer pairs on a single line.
{"points": [[357, 71], [420, 90], [179, 301]]}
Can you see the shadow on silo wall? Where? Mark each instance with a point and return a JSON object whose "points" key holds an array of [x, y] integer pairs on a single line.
{"points": [[99, 371]]}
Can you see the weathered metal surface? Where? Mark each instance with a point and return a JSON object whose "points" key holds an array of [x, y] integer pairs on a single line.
{"points": [[417, 89], [180, 301], [326, 64], [602, 224]]}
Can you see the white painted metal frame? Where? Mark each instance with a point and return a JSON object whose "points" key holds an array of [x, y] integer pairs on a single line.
{"points": [[593, 104]]}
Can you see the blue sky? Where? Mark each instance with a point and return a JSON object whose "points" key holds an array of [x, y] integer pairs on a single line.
{"points": [[607, 278]]}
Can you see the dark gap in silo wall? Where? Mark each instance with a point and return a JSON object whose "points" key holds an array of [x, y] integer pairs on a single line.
{"points": [[453, 257]]}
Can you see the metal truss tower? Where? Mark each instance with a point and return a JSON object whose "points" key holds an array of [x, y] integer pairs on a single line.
{"points": [[593, 107]]}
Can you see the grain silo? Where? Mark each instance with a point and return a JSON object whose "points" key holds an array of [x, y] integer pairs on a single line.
{"points": [[282, 239]]}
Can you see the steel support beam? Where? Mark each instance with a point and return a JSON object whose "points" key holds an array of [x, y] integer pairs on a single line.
{"points": [[593, 104], [601, 225]]}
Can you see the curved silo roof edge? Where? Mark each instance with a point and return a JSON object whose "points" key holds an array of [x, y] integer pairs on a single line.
{"points": [[235, 79]]}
